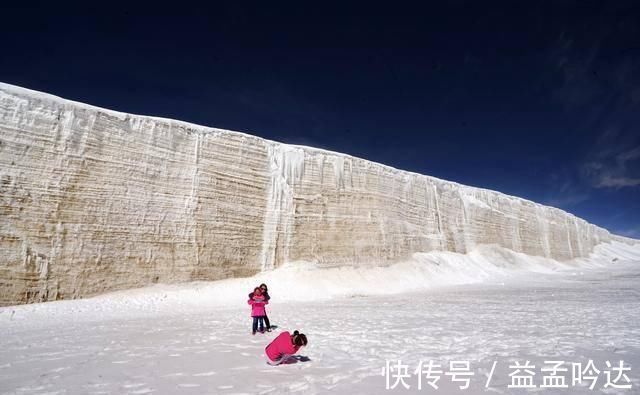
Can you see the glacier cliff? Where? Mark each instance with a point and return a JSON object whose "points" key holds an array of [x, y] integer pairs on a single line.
{"points": [[94, 200]]}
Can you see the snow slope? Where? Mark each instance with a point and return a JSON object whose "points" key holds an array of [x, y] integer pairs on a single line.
{"points": [[305, 282], [196, 338]]}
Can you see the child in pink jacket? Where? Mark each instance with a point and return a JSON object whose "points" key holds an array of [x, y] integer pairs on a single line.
{"points": [[258, 312], [284, 346]]}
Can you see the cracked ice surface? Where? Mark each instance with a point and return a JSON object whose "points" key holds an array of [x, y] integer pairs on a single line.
{"points": [[195, 338]]}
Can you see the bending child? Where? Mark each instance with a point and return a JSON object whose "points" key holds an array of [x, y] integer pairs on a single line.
{"points": [[284, 347]]}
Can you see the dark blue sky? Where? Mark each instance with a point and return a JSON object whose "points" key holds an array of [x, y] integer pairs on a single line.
{"points": [[536, 100]]}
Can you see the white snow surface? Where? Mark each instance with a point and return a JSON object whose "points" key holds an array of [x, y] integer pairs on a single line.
{"points": [[489, 305]]}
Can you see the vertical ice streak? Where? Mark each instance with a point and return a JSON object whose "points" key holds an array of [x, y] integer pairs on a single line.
{"points": [[439, 216], [543, 225], [578, 237], [286, 168], [338, 171], [193, 199]]}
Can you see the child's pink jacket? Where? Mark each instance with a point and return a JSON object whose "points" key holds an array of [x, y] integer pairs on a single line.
{"points": [[281, 346], [257, 306]]}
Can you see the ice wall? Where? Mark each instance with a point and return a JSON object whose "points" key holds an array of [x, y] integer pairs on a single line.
{"points": [[93, 200]]}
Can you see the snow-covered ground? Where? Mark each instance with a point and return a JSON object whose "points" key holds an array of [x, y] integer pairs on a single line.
{"points": [[489, 306]]}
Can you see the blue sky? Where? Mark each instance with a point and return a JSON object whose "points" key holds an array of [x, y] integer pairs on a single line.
{"points": [[539, 100]]}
